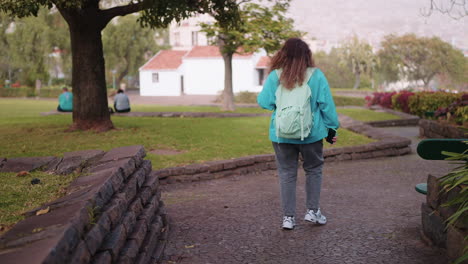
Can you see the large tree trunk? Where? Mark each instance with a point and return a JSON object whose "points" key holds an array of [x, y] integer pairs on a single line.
{"points": [[90, 105], [357, 82], [121, 76], [228, 94]]}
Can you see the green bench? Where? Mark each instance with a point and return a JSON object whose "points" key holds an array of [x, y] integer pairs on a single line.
{"points": [[431, 149]]}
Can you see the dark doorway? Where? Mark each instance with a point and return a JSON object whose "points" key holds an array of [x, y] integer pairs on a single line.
{"points": [[182, 85]]}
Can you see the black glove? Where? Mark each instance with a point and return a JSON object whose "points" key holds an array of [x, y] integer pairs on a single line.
{"points": [[331, 135]]}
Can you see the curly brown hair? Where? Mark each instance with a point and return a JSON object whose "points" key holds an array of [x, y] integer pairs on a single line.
{"points": [[294, 58]]}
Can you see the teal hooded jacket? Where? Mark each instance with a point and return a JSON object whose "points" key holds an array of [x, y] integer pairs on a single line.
{"points": [[322, 105]]}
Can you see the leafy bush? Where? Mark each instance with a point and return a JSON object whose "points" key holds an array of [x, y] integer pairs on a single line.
{"points": [[456, 111], [23, 91], [243, 97], [383, 99], [400, 101], [17, 92], [453, 107], [50, 93], [251, 98], [461, 115], [457, 179], [246, 97], [346, 100], [423, 102]]}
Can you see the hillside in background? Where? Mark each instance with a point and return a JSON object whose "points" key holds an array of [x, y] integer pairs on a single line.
{"points": [[335, 20]]}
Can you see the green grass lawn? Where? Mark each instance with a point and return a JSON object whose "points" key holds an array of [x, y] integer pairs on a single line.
{"points": [[212, 109], [366, 115], [348, 101], [18, 195], [24, 132]]}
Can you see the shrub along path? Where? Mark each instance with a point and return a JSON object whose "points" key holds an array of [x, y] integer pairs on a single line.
{"points": [[373, 216]]}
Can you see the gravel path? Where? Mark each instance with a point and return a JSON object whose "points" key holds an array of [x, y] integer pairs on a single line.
{"points": [[372, 208]]}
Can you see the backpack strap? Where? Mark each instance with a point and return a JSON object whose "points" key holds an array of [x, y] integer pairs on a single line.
{"points": [[302, 124], [279, 90], [309, 73], [278, 73]]}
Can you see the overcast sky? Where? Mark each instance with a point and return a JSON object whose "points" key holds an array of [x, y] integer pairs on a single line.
{"points": [[335, 20]]}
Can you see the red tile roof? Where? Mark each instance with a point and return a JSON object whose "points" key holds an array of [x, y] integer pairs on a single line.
{"points": [[165, 60], [210, 52], [263, 62]]}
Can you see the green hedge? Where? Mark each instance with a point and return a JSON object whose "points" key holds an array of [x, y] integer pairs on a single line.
{"points": [[17, 92], [31, 92], [452, 107], [346, 100], [251, 98], [424, 102]]}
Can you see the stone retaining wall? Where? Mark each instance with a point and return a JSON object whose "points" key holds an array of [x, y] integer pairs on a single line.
{"points": [[112, 213], [406, 119], [434, 129], [433, 221], [386, 145]]}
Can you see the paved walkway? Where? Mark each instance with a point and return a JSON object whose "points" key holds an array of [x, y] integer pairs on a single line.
{"points": [[371, 205], [135, 98]]}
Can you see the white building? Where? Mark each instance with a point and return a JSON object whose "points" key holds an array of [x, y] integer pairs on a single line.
{"points": [[186, 34], [200, 71]]}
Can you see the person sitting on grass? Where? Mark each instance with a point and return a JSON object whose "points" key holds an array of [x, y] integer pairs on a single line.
{"points": [[65, 101], [121, 102]]}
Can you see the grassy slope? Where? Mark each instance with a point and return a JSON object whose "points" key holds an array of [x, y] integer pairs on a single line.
{"points": [[366, 115], [19, 195]]}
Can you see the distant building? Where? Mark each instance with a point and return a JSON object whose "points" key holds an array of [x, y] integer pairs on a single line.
{"points": [[192, 66], [200, 71], [186, 34]]}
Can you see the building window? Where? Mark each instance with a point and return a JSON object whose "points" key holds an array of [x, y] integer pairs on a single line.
{"points": [[155, 77], [261, 76], [177, 39], [194, 38]]}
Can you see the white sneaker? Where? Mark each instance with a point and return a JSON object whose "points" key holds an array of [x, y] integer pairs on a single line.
{"points": [[288, 222], [315, 217]]}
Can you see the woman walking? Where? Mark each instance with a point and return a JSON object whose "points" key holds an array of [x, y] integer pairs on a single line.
{"points": [[303, 115]]}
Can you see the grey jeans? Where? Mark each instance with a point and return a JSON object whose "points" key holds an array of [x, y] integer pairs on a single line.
{"points": [[287, 156]]}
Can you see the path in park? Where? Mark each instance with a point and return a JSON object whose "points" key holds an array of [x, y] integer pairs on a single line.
{"points": [[371, 205], [135, 98]]}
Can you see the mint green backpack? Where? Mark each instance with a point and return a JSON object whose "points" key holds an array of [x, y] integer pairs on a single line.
{"points": [[294, 117]]}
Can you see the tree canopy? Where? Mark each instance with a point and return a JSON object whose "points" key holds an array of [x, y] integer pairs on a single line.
{"points": [[87, 18], [127, 46], [456, 9], [29, 46], [360, 58], [420, 58], [259, 26]]}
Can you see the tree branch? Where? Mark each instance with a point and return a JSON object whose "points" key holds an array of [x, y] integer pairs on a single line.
{"points": [[110, 13], [455, 9]]}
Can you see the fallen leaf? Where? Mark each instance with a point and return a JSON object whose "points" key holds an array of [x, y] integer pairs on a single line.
{"points": [[22, 173], [39, 229], [191, 246], [43, 211]]}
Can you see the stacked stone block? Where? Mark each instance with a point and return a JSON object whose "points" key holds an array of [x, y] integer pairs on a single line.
{"points": [[386, 145], [434, 129], [434, 217], [113, 213]]}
